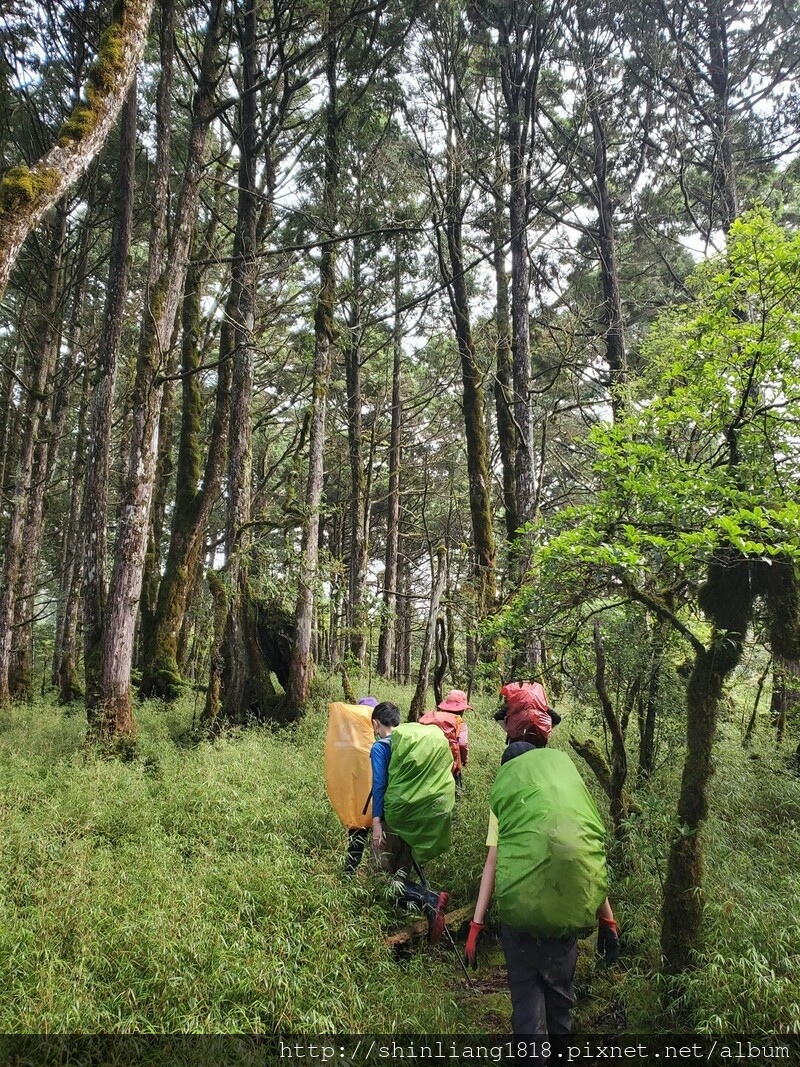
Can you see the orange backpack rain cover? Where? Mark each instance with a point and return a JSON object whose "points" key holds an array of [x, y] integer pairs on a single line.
{"points": [[348, 773]]}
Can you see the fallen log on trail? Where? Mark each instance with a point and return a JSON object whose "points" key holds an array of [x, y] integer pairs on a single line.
{"points": [[454, 920]]}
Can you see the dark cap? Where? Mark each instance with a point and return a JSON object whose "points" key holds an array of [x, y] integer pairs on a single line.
{"points": [[516, 749]]}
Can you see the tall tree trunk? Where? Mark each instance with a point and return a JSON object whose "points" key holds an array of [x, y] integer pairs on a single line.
{"points": [[239, 675], [604, 237], [785, 692], [522, 38], [27, 483], [388, 634], [619, 761], [9, 414], [47, 452], [96, 487], [151, 579], [405, 624], [359, 507], [115, 716], [65, 676], [648, 715], [195, 493], [301, 670], [423, 678], [503, 387], [454, 272]]}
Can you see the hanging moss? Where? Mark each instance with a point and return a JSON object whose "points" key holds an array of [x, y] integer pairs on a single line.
{"points": [[778, 583], [103, 78], [21, 186]]}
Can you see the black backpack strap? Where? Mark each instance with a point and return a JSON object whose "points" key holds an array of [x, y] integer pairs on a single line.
{"points": [[366, 803]]}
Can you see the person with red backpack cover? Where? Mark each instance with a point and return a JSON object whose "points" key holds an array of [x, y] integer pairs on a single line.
{"points": [[449, 720], [525, 712]]}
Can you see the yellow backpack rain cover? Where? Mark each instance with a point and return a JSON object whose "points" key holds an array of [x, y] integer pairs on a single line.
{"points": [[348, 773]]}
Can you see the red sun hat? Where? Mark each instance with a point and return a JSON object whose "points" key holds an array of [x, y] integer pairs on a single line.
{"points": [[456, 700]]}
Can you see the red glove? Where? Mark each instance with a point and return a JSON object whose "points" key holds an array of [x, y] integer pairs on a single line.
{"points": [[607, 940], [471, 950]]}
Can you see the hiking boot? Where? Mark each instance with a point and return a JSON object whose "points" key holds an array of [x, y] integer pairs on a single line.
{"points": [[437, 920]]}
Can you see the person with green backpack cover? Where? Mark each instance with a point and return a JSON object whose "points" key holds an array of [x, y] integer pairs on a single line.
{"points": [[546, 865], [413, 795]]}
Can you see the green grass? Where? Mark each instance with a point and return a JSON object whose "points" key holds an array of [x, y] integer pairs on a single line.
{"points": [[198, 888]]}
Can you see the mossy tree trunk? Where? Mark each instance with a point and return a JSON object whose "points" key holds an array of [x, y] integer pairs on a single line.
{"points": [[196, 489], [162, 481], [727, 600], [28, 193], [785, 693]]}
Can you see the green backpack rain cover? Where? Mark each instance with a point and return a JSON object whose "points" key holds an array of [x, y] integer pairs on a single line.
{"points": [[421, 793], [551, 862]]}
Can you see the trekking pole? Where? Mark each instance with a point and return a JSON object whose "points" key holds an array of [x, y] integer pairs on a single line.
{"points": [[455, 948], [453, 945]]}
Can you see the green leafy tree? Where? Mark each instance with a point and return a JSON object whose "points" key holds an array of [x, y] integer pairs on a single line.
{"points": [[695, 515]]}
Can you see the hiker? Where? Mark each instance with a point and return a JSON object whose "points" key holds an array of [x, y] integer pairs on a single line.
{"points": [[357, 837], [546, 862], [393, 853], [449, 718], [348, 774]]}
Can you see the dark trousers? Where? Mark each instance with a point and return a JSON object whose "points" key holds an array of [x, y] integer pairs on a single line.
{"points": [[541, 974], [396, 853], [356, 843]]}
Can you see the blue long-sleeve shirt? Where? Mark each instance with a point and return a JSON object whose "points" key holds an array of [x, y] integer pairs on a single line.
{"points": [[379, 756]]}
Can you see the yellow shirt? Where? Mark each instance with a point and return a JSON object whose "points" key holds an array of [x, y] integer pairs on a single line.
{"points": [[492, 831]]}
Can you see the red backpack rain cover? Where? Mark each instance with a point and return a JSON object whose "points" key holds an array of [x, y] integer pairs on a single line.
{"points": [[450, 725], [526, 710]]}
